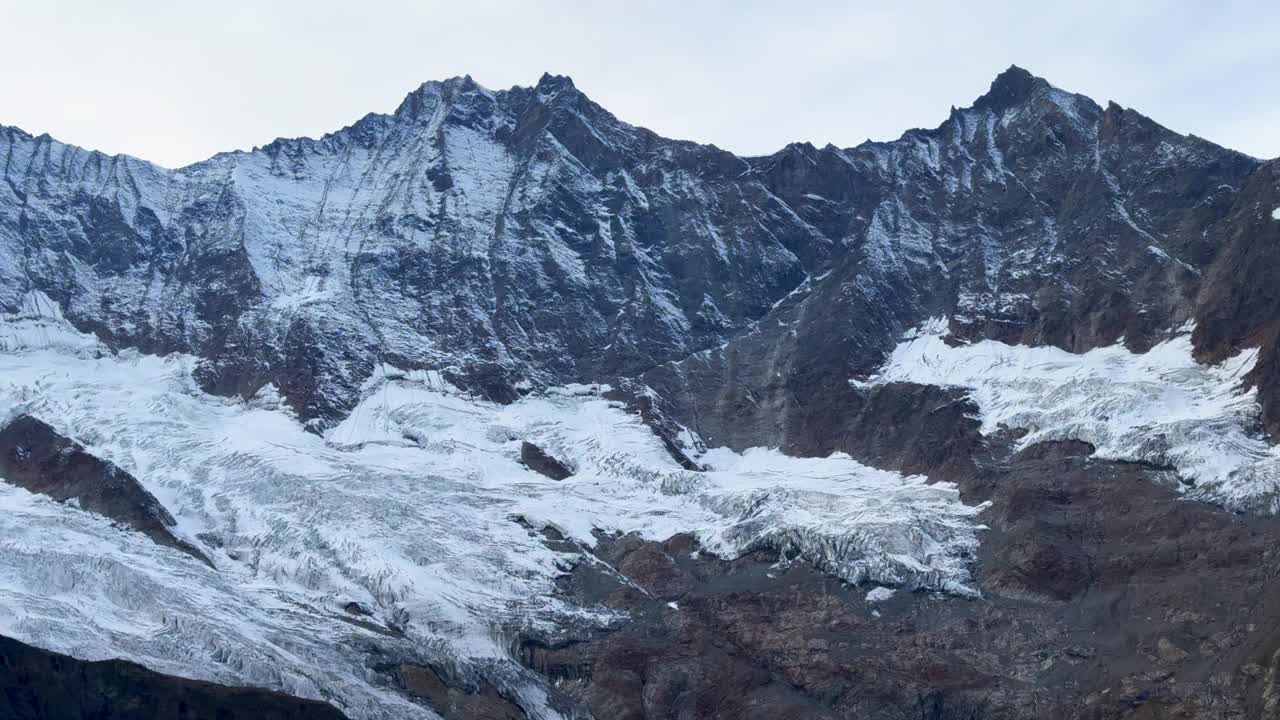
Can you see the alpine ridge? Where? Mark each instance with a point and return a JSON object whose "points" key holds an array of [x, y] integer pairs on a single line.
{"points": [[497, 406], [527, 237]]}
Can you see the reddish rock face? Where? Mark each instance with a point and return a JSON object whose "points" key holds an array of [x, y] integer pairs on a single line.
{"points": [[452, 701]]}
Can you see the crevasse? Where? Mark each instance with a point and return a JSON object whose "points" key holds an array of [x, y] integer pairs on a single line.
{"points": [[409, 507], [1159, 407]]}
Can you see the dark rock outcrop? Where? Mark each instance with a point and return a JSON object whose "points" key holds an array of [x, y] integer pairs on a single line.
{"points": [[639, 400], [537, 460], [37, 684], [1103, 596], [1239, 300], [451, 699], [37, 458]]}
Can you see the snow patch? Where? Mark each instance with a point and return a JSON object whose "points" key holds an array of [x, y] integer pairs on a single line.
{"points": [[879, 594]]}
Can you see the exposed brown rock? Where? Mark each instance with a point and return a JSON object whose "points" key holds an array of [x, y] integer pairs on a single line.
{"points": [[452, 701], [537, 460], [37, 458], [1105, 595]]}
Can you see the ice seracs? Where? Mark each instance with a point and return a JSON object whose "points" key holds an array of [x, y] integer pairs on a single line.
{"points": [[1159, 407], [415, 507], [852, 520], [39, 324]]}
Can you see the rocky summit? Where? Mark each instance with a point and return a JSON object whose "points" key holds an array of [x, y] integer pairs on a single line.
{"points": [[497, 406]]}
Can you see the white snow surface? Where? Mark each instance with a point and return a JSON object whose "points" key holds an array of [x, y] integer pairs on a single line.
{"points": [[1159, 407], [408, 508], [879, 594]]}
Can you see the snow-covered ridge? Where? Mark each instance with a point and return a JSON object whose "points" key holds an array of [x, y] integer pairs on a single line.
{"points": [[1159, 407], [407, 508], [407, 235]]}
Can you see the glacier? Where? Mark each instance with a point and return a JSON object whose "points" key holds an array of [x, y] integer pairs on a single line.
{"points": [[1159, 407], [415, 506]]}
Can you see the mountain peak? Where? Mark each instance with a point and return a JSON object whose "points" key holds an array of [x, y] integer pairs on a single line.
{"points": [[549, 82], [1011, 87], [415, 101], [428, 93]]}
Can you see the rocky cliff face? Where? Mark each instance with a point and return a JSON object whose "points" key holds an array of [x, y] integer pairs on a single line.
{"points": [[1034, 217], [517, 238], [527, 237], [417, 288]]}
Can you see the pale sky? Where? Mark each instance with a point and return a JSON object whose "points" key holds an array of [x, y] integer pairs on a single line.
{"points": [[174, 81]]}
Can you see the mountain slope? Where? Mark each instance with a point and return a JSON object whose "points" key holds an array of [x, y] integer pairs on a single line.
{"points": [[527, 237], [982, 367], [1033, 217], [518, 237]]}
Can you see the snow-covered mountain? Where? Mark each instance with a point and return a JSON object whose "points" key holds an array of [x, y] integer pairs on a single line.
{"points": [[336, 363], [515, 238], [527, 238]]}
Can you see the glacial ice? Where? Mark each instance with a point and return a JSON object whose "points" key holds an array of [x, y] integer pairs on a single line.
{"points": [[408, 507], [1159, 407]]}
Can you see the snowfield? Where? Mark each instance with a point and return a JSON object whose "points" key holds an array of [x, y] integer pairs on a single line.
{"points": [[416, 507], [1160, 407]]}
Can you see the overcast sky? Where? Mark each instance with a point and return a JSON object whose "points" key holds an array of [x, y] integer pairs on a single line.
{"points": [[174, 81]]}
